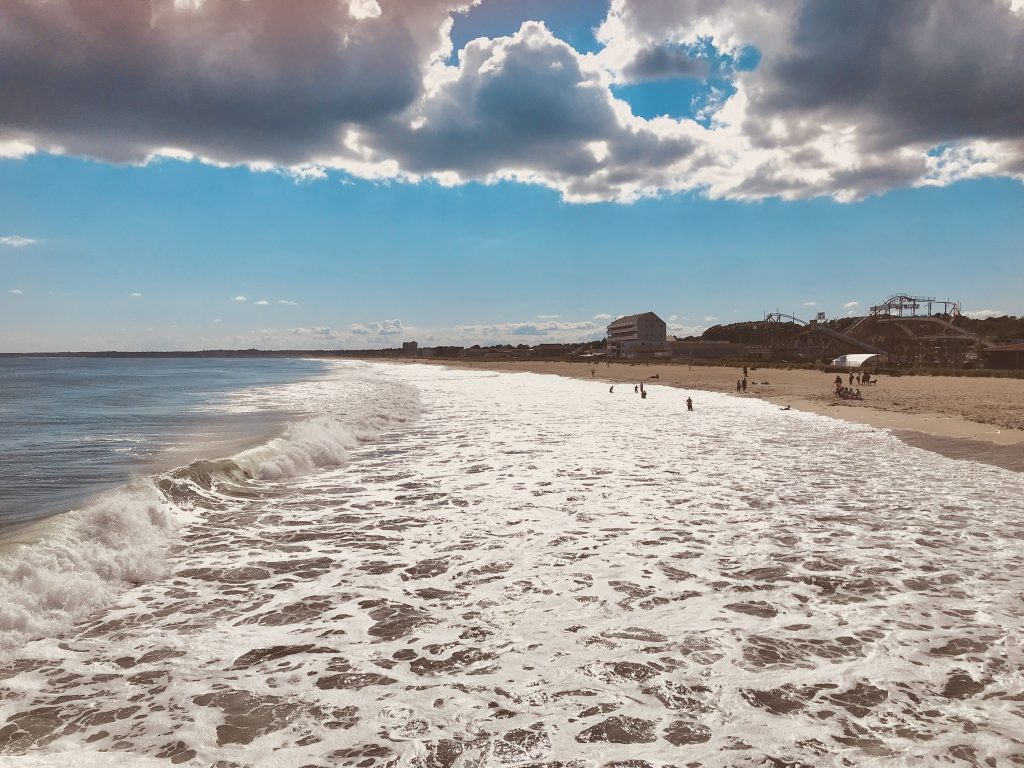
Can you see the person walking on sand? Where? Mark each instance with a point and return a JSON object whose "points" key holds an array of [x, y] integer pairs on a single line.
{"points": [[738, 385], [689, 403], [636, 389], [744, 385]]}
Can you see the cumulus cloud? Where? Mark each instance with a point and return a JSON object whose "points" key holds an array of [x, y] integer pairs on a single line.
{"points": [[710, 319], [136, 295], [16, 241], [851, 305], [844, 100], [810, 303], [378, 328], [663, 62], [982, 314], [261, 303], [529, 332], [548, 317], [288, 303], [240, 299], [16, 291], [604, 316]]}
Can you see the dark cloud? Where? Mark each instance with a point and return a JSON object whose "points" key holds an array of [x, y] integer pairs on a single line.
{"points": [[927, 71], [664, 62], [235, 80], [849, 99]]}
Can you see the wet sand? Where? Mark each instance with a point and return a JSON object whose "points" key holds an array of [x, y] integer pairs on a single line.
{"points": [[974, 418]]}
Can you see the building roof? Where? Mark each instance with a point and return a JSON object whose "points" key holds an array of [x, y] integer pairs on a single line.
{"points": [[852, 361], [627, 319]]}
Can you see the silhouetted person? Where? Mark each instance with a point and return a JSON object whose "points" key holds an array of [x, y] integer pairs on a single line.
{"points": [[643, 394], [689, 403], [744, 385], [738, 385], [611, 388]]}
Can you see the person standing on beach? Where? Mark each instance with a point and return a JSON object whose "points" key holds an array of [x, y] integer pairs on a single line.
{"points": [[738, 385], [689, 403], [744, 385]]}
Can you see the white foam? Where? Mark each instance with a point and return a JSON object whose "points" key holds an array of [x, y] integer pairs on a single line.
{"points": [[82, 559], [537, 556]]}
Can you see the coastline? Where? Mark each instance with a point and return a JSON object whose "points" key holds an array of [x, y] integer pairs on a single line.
{"points": [[974, 419]]}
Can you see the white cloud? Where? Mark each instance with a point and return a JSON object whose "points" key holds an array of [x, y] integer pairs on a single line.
{"points": [[928, 94], [379, 328], [679, 329], [135, 295], [288, 303], [217, 320], [16, 241], [709, 319], [851, 305], [261, 303], [527, 332], [982, 314], [240, 299], [810, 303], [16, 291], [604, 316], [548, 317]]}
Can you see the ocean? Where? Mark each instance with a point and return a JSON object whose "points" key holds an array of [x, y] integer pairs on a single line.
{"points": [[308, 563]]}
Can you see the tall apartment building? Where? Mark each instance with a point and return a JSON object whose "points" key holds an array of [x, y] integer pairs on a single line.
{"points": [[634, 335]]}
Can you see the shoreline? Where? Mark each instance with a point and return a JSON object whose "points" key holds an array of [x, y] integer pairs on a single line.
{"points": [[933, 413]]}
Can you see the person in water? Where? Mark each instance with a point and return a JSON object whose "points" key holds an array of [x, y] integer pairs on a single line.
{"points": [[689, 403]]}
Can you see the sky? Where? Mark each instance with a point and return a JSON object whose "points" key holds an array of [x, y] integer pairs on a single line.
{"points": [[200, 174]]}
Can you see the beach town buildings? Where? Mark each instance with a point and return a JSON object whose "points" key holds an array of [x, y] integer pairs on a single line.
{"points": [[639, 335]]}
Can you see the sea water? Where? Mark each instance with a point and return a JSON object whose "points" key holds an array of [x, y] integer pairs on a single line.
{"points": [[435, 567]]}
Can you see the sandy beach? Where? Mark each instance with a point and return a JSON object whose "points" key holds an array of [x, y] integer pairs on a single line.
{"points": [[974, 418]]}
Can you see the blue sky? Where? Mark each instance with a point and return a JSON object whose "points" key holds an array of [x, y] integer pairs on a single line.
{"points": [[102, 249]]}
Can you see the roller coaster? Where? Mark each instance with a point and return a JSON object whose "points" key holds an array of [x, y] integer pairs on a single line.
{"points": [[907, 330]]}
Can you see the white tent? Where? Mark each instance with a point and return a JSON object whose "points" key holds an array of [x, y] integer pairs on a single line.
{"points": [[852, 361]]}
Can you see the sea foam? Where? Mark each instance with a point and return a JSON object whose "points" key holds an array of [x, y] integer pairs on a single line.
{"points": [[83, 559], [79, 561]]}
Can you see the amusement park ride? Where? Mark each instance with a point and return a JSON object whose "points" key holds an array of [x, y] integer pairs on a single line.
{"points": [[905, 330]]}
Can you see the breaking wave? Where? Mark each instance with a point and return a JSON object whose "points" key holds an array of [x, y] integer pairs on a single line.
{"points": [[83, 559], [63, 569]]}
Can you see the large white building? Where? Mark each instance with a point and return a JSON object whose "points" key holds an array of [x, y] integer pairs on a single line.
{"points": [[634, 335]]}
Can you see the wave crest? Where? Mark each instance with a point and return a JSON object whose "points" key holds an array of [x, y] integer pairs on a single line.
{"points": [[84, 559]]}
